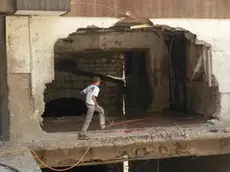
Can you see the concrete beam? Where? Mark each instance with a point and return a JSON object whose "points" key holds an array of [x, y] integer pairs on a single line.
{"points": [[137, 150], [106, 41], [23, 161]]}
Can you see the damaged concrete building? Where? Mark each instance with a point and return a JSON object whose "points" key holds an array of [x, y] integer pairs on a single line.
{"points": [[165, 84]]}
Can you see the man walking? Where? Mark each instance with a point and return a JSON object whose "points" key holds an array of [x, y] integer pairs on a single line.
{"points": [[92, 93]]}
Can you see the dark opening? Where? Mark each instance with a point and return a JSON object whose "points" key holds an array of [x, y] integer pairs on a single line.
{"points": [[92, 168], [138, 90], [65, 107], [4, 113], [178, 72], [213, 163]]}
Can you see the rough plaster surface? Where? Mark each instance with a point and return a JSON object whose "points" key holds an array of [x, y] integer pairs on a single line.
{"points": [[22, 120], [35, 56], [151, 143], [209, 31], [23, 161]]}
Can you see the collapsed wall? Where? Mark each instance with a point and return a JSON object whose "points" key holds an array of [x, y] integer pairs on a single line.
{"points": [[169, 51]]}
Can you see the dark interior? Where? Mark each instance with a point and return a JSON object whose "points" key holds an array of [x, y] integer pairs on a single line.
{"points": [[178, 72], [92, 168], [138, 90], [213, 163], [65, 107], [4, 112]]}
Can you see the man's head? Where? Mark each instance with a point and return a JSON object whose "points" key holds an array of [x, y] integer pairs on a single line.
{"points": [[96, 81]]}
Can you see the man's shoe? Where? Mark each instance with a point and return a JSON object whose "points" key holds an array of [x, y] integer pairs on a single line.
{"points": [[104, 127], [83, 137], [107, 126]]}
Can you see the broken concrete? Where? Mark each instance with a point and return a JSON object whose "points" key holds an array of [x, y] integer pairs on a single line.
{"points": [[41, 70], [144, 144], [22, 160]]}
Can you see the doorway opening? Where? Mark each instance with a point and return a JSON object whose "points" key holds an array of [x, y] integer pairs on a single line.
{"points": [[178, 72], [138, 89], [4, 111]]}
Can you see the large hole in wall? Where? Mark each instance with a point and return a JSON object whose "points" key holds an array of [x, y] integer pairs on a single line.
{"points": [[170, 78], [138, 88]]}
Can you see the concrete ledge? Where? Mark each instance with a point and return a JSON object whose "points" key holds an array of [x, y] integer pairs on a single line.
{"points": [[23, 161], [104, 149]]}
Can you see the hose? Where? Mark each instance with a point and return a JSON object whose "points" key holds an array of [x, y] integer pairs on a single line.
{"points": [[10, 167]]}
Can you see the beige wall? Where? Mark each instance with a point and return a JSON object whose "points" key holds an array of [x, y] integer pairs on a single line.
{"points": [[30, 43]]}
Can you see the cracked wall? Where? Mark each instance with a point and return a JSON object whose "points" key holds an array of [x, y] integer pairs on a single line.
{"points": [[208, 30], [30, 56]]}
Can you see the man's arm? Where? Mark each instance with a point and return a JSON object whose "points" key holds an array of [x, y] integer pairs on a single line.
{"points": [[95, 101], [83, 91]]}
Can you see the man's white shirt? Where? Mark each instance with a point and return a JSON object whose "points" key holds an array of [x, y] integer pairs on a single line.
{"points": [[91, 91]]}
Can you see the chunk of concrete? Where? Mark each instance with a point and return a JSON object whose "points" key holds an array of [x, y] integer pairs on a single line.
{"points": [[3, 169], [23, 161]]}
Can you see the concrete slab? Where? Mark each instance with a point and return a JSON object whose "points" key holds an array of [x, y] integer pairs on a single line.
{"points": [[110, 146], [3, 169], [23, 161]]}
